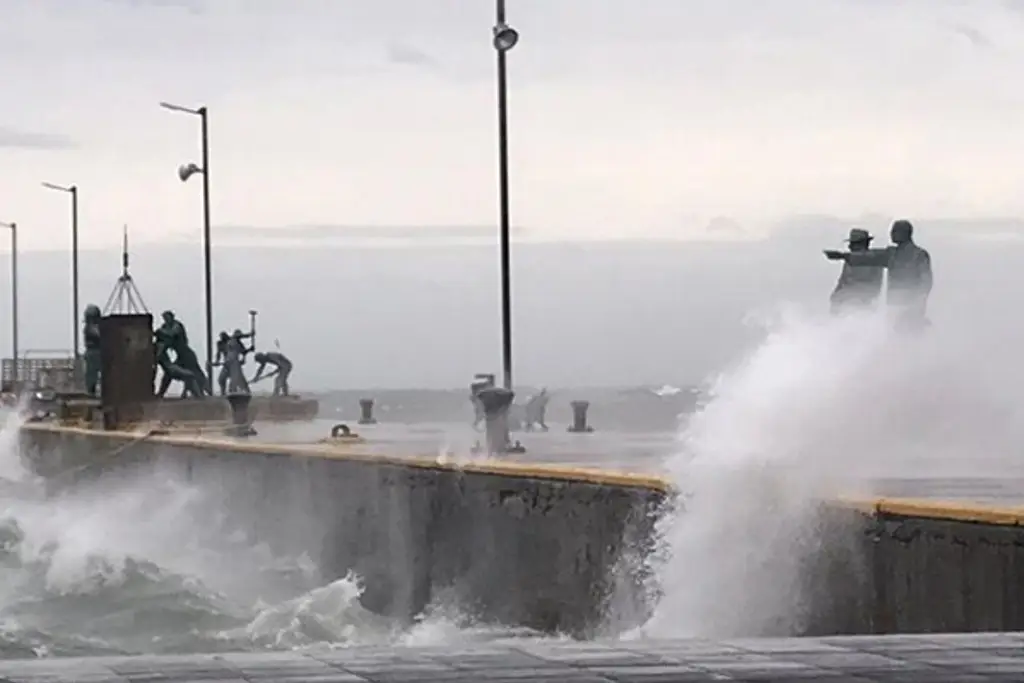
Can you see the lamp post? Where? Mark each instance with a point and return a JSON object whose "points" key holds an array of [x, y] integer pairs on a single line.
{"points": [[13, 227], [73, 191], [186, 171], [504, 38]]}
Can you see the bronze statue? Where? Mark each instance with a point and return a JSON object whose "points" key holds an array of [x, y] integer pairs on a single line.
{"points": [[222, 350], [234, 358], [859, 285], [282, 368], [174, 337], [92, 358], [910, 273]]}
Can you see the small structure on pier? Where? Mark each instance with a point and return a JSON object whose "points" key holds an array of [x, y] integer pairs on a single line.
{"points": [[125, 298]]}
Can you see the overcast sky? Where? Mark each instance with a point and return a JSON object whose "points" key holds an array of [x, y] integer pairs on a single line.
{"points": [[342, 122], [629, 118]]}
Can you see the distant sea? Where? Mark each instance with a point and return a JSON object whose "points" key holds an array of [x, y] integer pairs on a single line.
{"points": [[633, 409]]}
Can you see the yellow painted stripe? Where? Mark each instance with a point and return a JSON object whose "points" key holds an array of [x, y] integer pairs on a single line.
{"points": [[957, 511], [360, 453]]}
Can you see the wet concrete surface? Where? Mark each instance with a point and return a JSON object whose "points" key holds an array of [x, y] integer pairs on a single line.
{"points": [[984, 480], [866, 659]]}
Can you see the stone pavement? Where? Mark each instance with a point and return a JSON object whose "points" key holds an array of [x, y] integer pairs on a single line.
{"points": [[903, 659]]}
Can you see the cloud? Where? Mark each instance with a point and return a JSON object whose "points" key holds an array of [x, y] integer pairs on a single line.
{"points": [[12, 138], [193, 6], [401, 53], [974, 36]]}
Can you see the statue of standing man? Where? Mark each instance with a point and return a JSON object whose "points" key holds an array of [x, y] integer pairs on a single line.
{"points": [[92, 358], [858, 286], [234, 358], [910, 273]]}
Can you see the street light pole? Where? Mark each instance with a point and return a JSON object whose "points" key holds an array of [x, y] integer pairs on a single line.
{"points": [[207, 253], [73, 191], [13, 227], [185, 172], [74, 267], [504, 38]]}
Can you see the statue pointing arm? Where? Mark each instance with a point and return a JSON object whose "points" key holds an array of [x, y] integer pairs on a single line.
{"points": [[878, 258]]}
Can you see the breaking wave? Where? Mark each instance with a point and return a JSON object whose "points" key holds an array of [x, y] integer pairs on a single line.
{"points": [[823, 407], [150, 563]]}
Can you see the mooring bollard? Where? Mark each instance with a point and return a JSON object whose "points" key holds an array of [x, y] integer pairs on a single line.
{"points": [[579, 418], [366, 410], [241, 422], [496, 402]]}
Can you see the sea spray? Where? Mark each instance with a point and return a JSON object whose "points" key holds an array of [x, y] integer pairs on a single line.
{"points": [[821, 407], [150, 562]]}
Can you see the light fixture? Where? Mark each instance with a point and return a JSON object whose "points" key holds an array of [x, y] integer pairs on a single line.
{"points": [[505, 37]]}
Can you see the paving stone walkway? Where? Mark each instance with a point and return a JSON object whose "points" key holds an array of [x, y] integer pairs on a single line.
{"points": [[904, 659]]}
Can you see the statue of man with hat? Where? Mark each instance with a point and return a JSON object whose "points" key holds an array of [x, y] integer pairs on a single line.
{"points": [[859, 286]]}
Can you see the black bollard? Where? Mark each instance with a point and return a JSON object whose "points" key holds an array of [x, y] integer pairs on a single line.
{"points": [[579, 418], [241, 424], [496, 402], [366, 410]]}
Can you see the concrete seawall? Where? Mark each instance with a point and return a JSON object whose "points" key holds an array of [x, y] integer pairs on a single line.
{"points": [[915, 566], [557, 548], [539, 546], [941, 567]]}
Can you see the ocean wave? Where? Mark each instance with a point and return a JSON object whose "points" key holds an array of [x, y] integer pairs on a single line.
{"points": [[150, 563]]}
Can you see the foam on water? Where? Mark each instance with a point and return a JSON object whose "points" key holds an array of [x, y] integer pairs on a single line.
{"points": [[148, 562], [821, 407]]}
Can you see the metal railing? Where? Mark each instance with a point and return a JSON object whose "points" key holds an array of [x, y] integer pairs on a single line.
{"points": [[42, 369]]}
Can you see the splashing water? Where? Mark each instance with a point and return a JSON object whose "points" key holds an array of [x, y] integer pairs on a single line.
{"points": [[820, 408], [149, 563]]}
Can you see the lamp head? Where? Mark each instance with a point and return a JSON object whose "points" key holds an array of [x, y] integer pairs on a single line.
{"points": [[186, 171], [505, 38]]}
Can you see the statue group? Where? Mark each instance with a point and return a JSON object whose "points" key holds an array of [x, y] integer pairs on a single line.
{"points": [[178, 361]]}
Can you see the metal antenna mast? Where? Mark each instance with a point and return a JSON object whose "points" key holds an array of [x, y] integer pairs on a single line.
{"points": [[125, 298]]}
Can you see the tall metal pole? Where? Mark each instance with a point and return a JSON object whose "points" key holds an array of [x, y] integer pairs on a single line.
{"points": [[207, 255], [506, 266], [74, 269], [185, 173], [13, 227], [14, 302]]}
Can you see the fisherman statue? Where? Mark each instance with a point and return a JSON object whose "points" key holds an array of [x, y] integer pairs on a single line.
{"points": [[282, 368], [536, 410], [172, 369], [234, 358], [92, 358], [859, 286], [175, 337], [222, 351], [910, 274]]}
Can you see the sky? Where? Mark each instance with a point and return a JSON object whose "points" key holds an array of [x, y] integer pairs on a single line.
{"points": [[353, 145], [628, 118]]}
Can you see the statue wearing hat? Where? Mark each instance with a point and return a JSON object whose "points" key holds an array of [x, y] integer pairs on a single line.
{"points": [[858, 285], [910, 272]]}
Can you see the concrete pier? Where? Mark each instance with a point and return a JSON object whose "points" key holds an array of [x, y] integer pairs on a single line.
{"points": [[896, 659], [559, 548], [546, 547]]}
